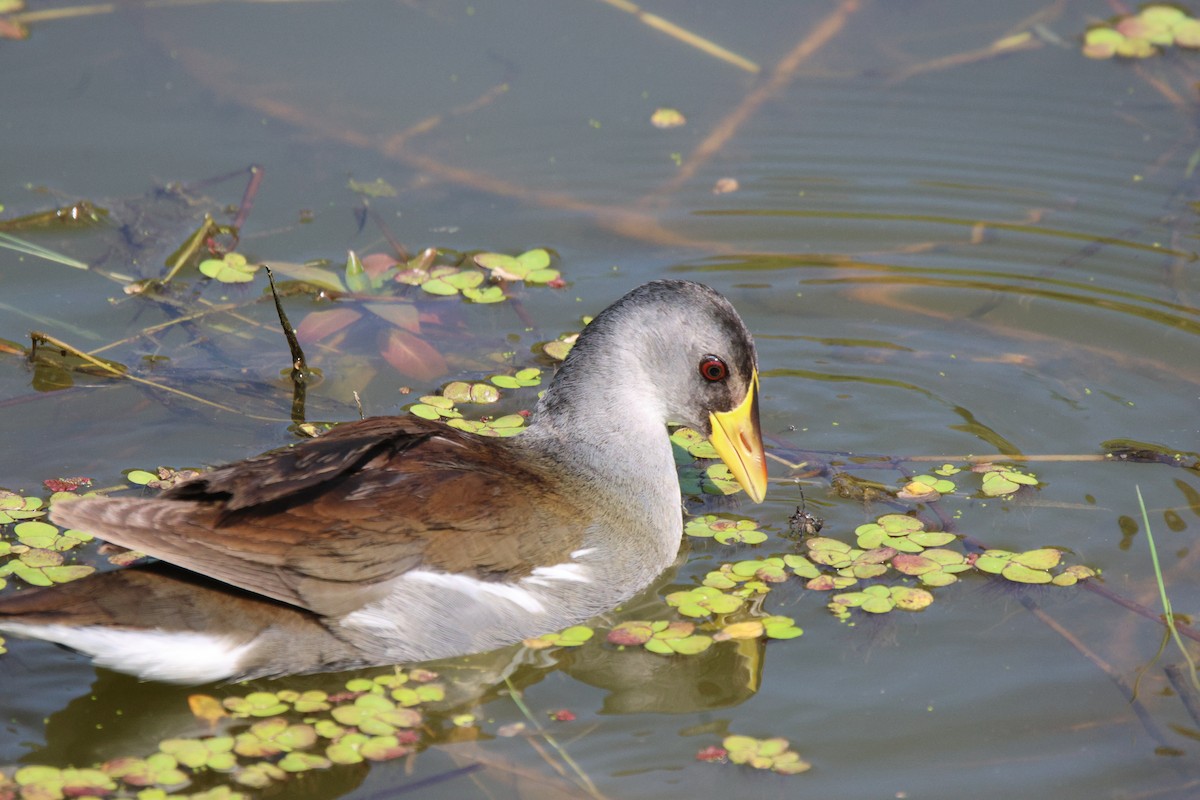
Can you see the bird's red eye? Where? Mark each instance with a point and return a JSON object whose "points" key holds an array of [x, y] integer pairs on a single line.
{"points": [[713, 369]]}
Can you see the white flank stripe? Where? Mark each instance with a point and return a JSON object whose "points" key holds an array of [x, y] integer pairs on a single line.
{"points": [[574, 573], [172, 656], [475, 588]]}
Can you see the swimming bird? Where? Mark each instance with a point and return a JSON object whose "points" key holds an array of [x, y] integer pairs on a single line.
{"points": [[397, 539]]}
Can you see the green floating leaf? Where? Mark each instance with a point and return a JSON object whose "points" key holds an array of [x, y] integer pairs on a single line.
{"points": [[768, 754], [232, 268], [357, 279], [725, 530], [661, 637], [508, 425], [573, 636], [376, 188], [531, 266], [531, 376], [14, 507], [703, 601], [486, 295], [693, 443], [477, 393]]}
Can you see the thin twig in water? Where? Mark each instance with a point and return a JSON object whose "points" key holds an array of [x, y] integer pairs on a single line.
{"points": [[585, 780], [685, 36], [781, 76], [45, 338]]}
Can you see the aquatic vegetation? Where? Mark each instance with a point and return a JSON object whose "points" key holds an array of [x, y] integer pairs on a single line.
{"points": [[726, 530], [660, 636], [1001, 481], [925, 488], [935, 567], [532, 267], [1144, 34], [475, 393], [230, 268], [703, 601], [530, 376], [880, 599], [573, 636], [774, 754], [667, 118], [693, 444], [15, 507], [507, 425], [904, 533]]}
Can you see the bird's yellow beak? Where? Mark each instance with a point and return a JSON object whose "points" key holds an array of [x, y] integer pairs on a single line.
{"points": [[738, 441]]}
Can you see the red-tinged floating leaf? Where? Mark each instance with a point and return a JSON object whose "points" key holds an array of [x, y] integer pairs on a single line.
{"points": [[630, 634], [712, 753], [910, 564], [376, 264], [1045, 558], [402, 315], [66, 484], [562, 715], [206, 707], [10, 29], [320, 325], [412, 356]]}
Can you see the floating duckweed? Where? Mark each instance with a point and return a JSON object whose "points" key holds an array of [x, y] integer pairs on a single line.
{"points": [[259, 775], [661, 637], [52, 782], [270, 737], [935, 567], [376, 715], [302, 762], [1141, 35], [769, 754], [433, 406], [925, 488], [725, 530], [464, 392], [773, 627], [160, 769], [425, 693], [14, 507], [739, 585], [703, 601], [532, 266], [215, 753], [879, 599], [904, 533], [667, 118], [40, 566], [693, 443], [557, 349], [999, 481], [255, 704], [573, 636], [508, 425], [718, 479], [231, 268], [1032, 566], [48, 537], [530, 376]]}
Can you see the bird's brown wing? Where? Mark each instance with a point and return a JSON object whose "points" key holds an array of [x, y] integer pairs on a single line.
{"points": [[326, 524]]}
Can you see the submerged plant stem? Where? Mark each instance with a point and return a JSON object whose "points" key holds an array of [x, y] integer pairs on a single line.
{"points": [[1168, 614], [684, 35], [781, 76], [46, 338], [585, 780]]}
